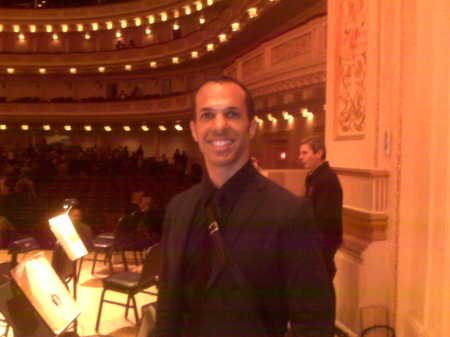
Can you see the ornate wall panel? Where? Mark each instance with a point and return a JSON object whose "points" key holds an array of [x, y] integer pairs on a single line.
{"points": [[290, 49], [351, 70]]}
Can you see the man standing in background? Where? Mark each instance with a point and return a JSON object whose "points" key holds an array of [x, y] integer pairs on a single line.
{"points": [[323, 188]]}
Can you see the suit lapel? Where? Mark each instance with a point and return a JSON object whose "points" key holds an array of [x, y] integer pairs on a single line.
{"points": [[240, 217]]}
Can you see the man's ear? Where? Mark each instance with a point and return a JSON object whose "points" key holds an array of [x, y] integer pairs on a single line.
{"points": [[193, 130], [253, 127], [319, 153]]}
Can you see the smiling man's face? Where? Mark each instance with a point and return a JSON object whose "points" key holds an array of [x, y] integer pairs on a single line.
{"points": [[222, 127]]}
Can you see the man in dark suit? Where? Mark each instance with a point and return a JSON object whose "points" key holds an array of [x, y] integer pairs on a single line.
{"points": [[270, 234]]}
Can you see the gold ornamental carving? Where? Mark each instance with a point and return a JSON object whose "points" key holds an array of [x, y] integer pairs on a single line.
{"points": [[253, 66], [291, 49], [350, 113]]}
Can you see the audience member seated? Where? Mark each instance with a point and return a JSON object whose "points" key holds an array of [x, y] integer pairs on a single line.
{"points": [[120, 45], [131, 44]]}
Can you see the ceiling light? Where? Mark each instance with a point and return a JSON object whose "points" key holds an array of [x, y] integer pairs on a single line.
{"points": [[73, 70], [271, 118], [109, 25], [3, 127], [33, 28], [176, 13], [178, 127], [222, 37], [49, 28], [152, 64], [67, 127], [287, 116], [46, 127], [88, 128], [108, 128], [148, 31], [163, 16], [101, 69], [42, 71], [10, 70], [305, 113], [151, 19], [137, 21], [123, 23], [118, 34], [176, 26], [194, 54], [80, 27], [202, 21], [95, 26], [199, 5], [24, 127], [55, 36], [16, 28], [144, 128], [64, 28], [187, 10], [252, 12], [162, 128], [210, 47], [128, 67], [21, 36], [175, 60], [235, 26], [1, 28], [210, 2], [87, 36], [126, 128]]}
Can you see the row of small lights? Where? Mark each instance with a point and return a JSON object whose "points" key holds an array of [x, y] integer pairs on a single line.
{"points": [[252, 12], [287, 116], [108, 128], [123, 23]]}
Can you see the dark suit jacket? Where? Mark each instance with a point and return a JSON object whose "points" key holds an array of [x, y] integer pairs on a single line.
{"points": [[273, 238]]}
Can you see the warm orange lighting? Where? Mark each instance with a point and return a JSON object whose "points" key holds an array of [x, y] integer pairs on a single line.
{"points": [[123, 23], [137, 21], [101, 69], [151, 19], [163, 16], [148, 31], [65, 28], [55, 36], [46, 127], [67, 127], [210, 47], [162, 128], [49, 28], [222, 37], [128, 67], [95, 26], [118, 34], [88, 128], [178, 127], [194, 54], [187, 10], [144, 128], [10, 70], [3, 127], [199, 5], [175, 60], [21, 36], [176, 26], [24, 127], [152, 64], [202, 21], [210, 2], [87, 36], [126, 128], [16, 28], [32, 28], [80, 27], [283, 155], [252, 12], [271, 118], [109, 25], [235, 26], [287, 116], [73, 70], [176, 13], [42, 71], [1, 28], [107, 128]]}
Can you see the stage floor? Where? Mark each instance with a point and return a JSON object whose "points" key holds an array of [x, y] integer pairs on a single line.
{"points": [[113, 322]]}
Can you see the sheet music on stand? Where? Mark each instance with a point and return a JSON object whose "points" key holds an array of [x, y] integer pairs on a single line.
{"points": [[46, 292]]}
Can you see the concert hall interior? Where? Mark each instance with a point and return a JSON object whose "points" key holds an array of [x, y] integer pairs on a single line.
{"points": [[95, 105]]}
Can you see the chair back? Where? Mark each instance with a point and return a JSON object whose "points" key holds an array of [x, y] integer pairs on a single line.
{"points": [[124, 230], [152, 266]]}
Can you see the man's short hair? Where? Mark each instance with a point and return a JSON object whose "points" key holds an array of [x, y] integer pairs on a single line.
{"points": [[249, 103], [316, 143]]}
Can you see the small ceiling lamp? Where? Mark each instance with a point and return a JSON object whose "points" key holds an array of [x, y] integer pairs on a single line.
{"points": [[1, 28], [162, 128], [270, 118], [163, 16], [222, 37], [178, 127], [88, 128], [118, 34], [80, 27], [187, 10], [32, 28], [21, 36], [151, 19], [109, 25], [176, 26], [128, 67], [210, 47], [176, 13], [235, 26], [10, 70], [175, 60], [16, 28], [73, 70], [55, 36], [202, 20], [199, 5], [252, 12], [108, 128], [137, 21], [67, 127], [194, 54], [152, 64], [210, 2], [101, 69], [87, 36], [46, 127], [287, 116], [144, 128], [24, 127], [3, 127], [95, 26], [49, 28], [148, 31], [126, 128], [305, 113], [42, 71], [65, 28], [123, 23]]}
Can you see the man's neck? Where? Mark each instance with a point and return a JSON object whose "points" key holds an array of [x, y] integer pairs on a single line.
{"points": [[220, 175]]}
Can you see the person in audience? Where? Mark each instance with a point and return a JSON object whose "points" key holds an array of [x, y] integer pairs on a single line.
{"points": [[120, 45], [136, 199], [131, 44], [273, 274]]}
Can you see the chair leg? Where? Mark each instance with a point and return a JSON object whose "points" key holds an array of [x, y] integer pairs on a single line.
{"points": [[111, 267], [136, 315], [79, 268], [94, 262], [128, 305], [125, 264], [100, 308]]}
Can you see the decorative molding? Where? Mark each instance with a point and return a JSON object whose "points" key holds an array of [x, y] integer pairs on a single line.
{"points": [[253, 66], [293, 48], [351, 70]]}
